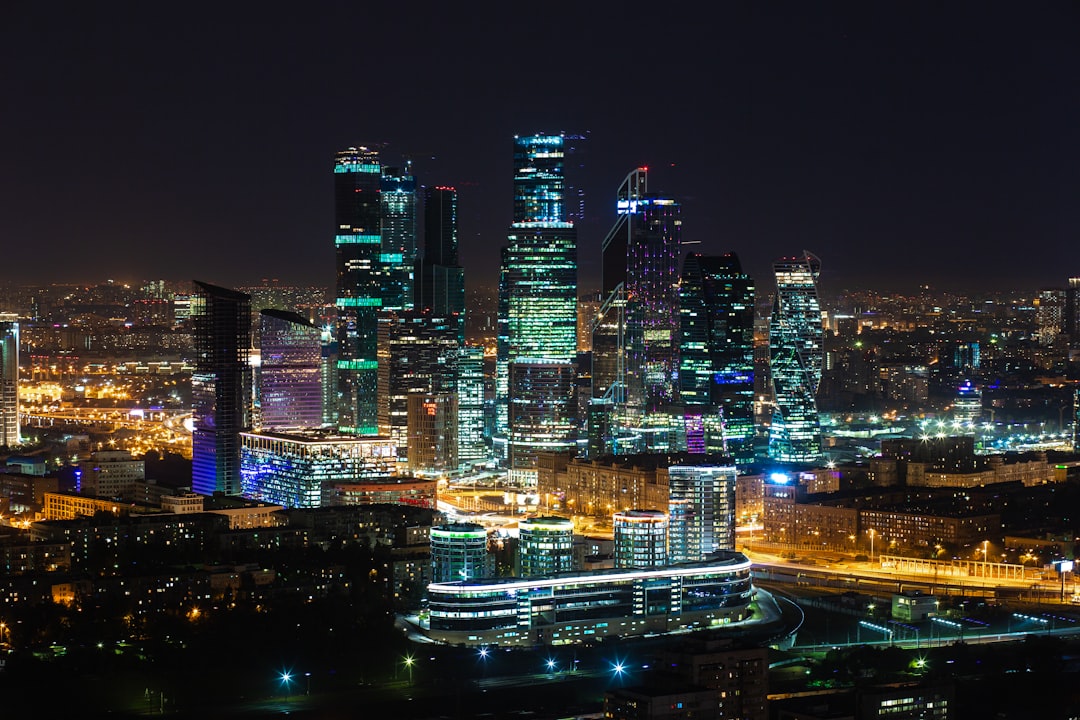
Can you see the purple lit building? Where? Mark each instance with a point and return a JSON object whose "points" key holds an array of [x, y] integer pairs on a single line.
{"points": [[290, 386]]}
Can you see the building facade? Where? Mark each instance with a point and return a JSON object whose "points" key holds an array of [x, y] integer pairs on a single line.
{"points": [[545, 546], [9, 381], [290, 383], [220, 387], [701, 509], [459, 553], [795, 360]]}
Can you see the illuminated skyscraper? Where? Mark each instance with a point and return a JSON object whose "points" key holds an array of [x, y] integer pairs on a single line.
{"points": [[470, 392], [542, 412], [440, 280], [545, 546], [716, 356], [640, 539], [361, 280], [459, 552], [9, 381], [398, 229], [635, 335], [220, 387], [433, 427], [537, 288], [701, 510], [290, 383], [417, 354], [795, 354]]}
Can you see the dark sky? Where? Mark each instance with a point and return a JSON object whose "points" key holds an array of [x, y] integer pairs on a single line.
{"points": [[902, 142]]}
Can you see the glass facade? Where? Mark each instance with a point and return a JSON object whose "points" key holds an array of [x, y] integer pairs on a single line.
{"points": [[795, 357], [579, 607], [290, 373], [640, 539], [440, 280], [291, 469], [9, 381], [458, 552], [220, 387], [433, 426], [542, 410], [361, 280], [537, 311], [470, 392], [716, 356], [398, 229], [702, 511], [545, 546]]}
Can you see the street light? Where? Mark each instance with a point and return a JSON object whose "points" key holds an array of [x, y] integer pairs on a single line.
{"points": [[409, 662], [871, 544], [286, 681]]}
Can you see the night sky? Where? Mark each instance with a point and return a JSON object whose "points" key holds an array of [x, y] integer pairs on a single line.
{"points": [[902, 142]]}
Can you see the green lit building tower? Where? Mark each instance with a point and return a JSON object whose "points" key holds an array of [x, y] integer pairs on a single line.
{"points": [[398, 230], [362, 277], [9, 381], [220, 387], [470, 391], [537, 307], [716, 356], [795, 358], [635, 338], [459, 552]]}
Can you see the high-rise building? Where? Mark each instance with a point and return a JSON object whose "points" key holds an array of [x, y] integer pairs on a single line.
{"points": [[220, 387], [1049, 315], [418, 353], [398, 229], [542, 412], [470, 392], [300, 468], [290, 382], [110, 474], [537, 288], [701, 510], [1071, 320], [459, 552], [635, 336], [640, 539], [362, 277], [795, 356], [440, 280], [433, 428], [545, 546], [716, 356], [9, 381]]}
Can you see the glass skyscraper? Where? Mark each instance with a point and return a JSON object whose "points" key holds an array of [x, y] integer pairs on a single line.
{"points": [[398, 229], [220, 387], [635, 339], [795, 359], [290, 382], [361, 280], [716, 356], [440, 280], [470, 391], [9, 381], [537, 294], [701, 510]]}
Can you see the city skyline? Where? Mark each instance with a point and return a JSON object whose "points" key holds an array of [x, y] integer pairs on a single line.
{"points": [[902, 146]]}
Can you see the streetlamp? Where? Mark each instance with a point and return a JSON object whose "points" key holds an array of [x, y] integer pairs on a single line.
{"points": [[286, 681], [871, 544], [409, 662]]}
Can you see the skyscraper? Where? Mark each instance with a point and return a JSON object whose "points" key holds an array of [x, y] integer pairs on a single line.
{"points": [[440, 280], [470, 392], [220, 387], [635, 337], [361, 280], [398, 230], [9, 381], [716, 356], [795, 355], [701, 510], [537, 292], [290, 383]]}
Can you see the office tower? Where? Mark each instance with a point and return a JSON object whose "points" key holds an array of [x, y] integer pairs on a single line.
{"points": [[701, 510], [433, 428], [300, 468], [795, 340], [537, 293], [716, 356], [440, 280], [1049, 315], [398, 229], [967, 407], [9, 381], [545, 546], [635, 336], [541, 413], [220, 387], [1071, 321], [640, 539], [361, 282], [470, 392], [458, 552], [418, 353], [290, 382], [1076, 420]]}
